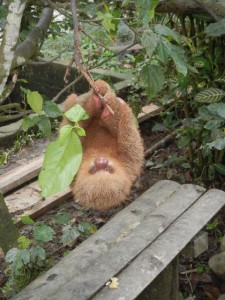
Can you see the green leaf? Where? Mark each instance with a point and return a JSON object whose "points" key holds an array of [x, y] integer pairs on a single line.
{"points": [[107, 21], [184, 141], [62, 218], [149, 40], [37, 253], [212, 124], [179, 58], [210, 95], [152, 78], [80, 131], [64, 132], [218, 144], [43, 233], [166, 31], [27, 220], [43, 124], [52, 109], [27, 123], [35, 101], [162, 50], [217, 109], [76, 113], [86, 228], [11, 255], [61, 163], [70, 233], [25, 256], [146, 9], [216, 29], [220, 168], [23, 242]]}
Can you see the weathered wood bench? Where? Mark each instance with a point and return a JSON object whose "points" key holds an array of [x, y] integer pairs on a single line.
{"points": [[139, 243]]}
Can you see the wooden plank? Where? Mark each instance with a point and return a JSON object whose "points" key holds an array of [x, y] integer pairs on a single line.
{"points": [[149, 111], [20, 175], [45, 205], [24, 198], [148, 265], [115, 245]]}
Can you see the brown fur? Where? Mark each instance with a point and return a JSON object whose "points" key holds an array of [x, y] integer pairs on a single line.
{"points": [[116, 138]]}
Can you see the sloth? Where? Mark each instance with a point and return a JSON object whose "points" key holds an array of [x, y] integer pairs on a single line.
{"points": [[113, 152]]}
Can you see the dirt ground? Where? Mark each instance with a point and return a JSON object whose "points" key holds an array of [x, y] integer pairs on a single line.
{"points": [[195, 277]]}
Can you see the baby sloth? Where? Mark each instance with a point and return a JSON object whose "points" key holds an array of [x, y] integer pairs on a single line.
{"points": [[113, 151]]}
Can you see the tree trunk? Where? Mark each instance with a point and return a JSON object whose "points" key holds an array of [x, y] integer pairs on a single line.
{"points": [[190, 7], [9, 41], [8, 231], [12, 58], [30, 46]]}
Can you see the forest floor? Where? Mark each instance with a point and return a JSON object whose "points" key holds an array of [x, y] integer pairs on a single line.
{"points": [[195, 276]]}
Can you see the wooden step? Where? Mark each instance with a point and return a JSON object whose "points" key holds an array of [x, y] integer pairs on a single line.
{"points": [[135, 245]]}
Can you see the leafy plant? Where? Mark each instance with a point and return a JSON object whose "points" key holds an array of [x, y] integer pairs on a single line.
{"points": [[63, 156]]}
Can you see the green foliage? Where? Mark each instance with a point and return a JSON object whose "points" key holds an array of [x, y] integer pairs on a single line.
{"points": [[210, 95], [63, 156], [216, 29], [62, 218], [152, 77], [70, 233], [43, 233]]}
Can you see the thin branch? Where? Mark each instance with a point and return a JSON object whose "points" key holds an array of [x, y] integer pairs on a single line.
{"points": [[66, 88], [77, 54], [206, 9], [166, 139]]}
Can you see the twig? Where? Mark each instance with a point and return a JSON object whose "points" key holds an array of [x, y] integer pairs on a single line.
{"points": [[167, 138], [208, 10], [66, 88], [77, 54]]}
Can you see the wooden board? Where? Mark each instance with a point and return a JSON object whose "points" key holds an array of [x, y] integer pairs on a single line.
{"points": [[43, 206], [155, 258], [85, 270], [24, 198], [20, 175]]}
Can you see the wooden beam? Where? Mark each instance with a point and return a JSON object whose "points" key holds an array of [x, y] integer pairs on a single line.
{"points": [[20, 175], [43, 207]]}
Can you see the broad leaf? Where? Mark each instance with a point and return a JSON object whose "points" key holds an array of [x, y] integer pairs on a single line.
{"points": [[179, 58], [64, 132], [37, 253], [220, 168], [76, 113], [70, 233], [217, 109], [107, 21], [23, 242], [162, 50], [62, 160], [35, 101], [166, 31], [52, 109], [210, 95], [218, 144], [27, 123], [62, 218], [216, 29], [212, 124], [152, 78], [43, 124], [43, 233], [27, 220], [149, 40]]}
